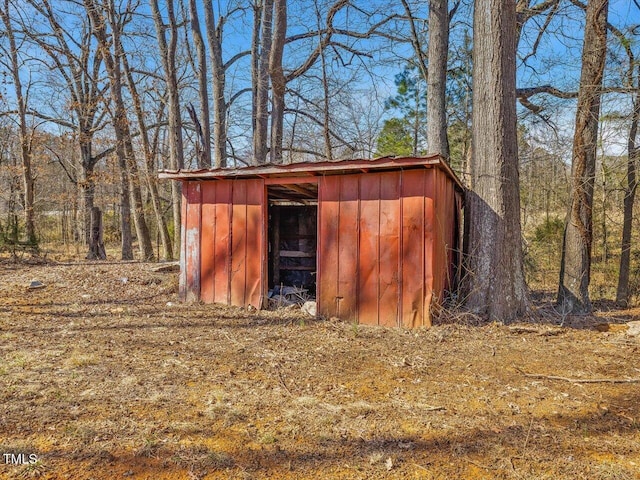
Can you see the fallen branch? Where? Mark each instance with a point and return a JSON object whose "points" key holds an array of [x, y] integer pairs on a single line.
{"points": [[434, 409], [579, 380], [282, 382]]}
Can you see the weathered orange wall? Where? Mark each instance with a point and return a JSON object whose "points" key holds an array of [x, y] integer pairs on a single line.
{"points": [[385, 245], [224, 242]]}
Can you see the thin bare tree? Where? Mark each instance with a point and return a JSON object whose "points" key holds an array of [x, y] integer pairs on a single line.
{"points": [[107, 25], [168, 57], [575, 268], [15, 67], [74, 57]]}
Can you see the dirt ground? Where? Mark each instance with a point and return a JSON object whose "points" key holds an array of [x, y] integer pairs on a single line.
{"points": [[104, 375]]}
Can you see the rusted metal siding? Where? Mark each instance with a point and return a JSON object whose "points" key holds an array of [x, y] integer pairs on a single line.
{"points": [[223, 251], [190, 241], [387, 241], [445, 251], [383, 244]]}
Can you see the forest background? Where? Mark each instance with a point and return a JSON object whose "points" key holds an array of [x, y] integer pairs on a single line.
{"points": [[99, 95]]}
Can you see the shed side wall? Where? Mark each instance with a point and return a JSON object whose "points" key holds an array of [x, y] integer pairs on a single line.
{"points": [[446, 243], [224, 247], [377, 247]]}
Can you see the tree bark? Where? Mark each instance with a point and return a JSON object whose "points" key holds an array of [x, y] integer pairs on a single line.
{"points": [[96, 244], [218, 81], [278, 80], [437, 80], [495, 284], [575, 268], [203, 89], [261, 100], [123, 129]]}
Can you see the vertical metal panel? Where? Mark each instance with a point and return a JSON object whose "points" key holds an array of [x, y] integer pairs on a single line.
{"points": [[443, 234], [328, 245], [369, 240], [389, 248], [238, 243], [182, 280], [348, 251], [207, 246], [222, 242], [413, 252], [192, 240], [429, 216], [255, 243]]}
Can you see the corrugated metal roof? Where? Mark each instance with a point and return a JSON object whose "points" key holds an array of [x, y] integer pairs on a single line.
{"points": [[336, 167]]}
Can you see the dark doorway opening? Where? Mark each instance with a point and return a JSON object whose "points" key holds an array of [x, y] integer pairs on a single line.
{"points": [[293, 241]]}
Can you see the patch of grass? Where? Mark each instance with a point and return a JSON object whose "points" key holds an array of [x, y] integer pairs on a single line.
{"points": [[219, 460], [79, 360], [32, 470], [150, 448], [268, 439], [198, 457]]}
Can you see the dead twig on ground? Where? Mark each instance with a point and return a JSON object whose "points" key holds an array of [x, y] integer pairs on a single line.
{"points": [[579, 380], [282, 382]]}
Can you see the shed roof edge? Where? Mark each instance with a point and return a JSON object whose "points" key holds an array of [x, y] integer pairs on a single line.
{"points": [[314, 168]]}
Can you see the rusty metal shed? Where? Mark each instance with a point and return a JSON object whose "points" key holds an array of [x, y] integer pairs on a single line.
{"points": [[377, 239]]}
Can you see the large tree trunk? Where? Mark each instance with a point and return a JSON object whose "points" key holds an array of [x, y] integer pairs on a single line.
{"points": [[437, 141], [96, 245], [495, 284], [218, 80], [575, 269], [633, 152], [278, 80], [261, 89]]}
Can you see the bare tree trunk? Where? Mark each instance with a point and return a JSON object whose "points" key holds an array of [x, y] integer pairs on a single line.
{"points": [[437, 80], [142, 229], [115, 89], [255, 61], [326, 114], [176, 148], [261, 99], [149, 164], [126, 240], [495, 283], [28, 181], [575, 269], [218, 80], [203, 89], [96, 245], [605, 230], [278, 80], [633, 156], [80, 68]]}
